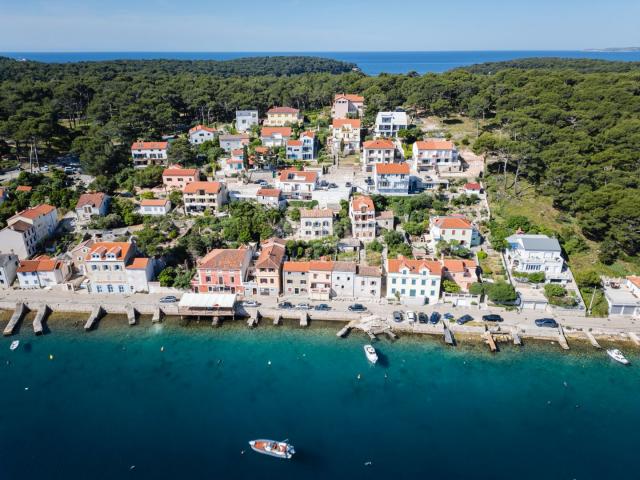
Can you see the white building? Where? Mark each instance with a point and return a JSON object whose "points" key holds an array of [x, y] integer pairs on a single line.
{"points": [[316, 223], [233, 142], [343, 279], [302, 149], [378, 151], [149, 153], [8, 266], [297, 183], [368, 283], [347, 105], [27, 229], [42, 272], [275, 136], [201, 196], [92, 204], [536, 253], [345, 135], [435, 155], [107, 268], [454, 227], [413, 282], [362, 213], [388, 124], [200, 134], [283, 116], [623, 296], [245, 119], [270, 197], [155, 206], [392, 178]]}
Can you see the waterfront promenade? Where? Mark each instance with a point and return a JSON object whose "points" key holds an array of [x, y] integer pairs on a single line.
{"points": [[148, 304]]}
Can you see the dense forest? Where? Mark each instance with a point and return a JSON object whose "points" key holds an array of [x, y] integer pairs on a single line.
{"points": [[570, 128]]}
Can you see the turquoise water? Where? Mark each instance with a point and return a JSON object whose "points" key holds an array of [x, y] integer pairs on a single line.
{"points": [[371, 63], [183, 402]]}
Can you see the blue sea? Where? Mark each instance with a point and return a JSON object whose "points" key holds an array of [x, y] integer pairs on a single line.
{"points": [[371, 63], [170, 402]]}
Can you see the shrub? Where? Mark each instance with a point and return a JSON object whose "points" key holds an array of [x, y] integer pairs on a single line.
{"points": [[501, 292]]}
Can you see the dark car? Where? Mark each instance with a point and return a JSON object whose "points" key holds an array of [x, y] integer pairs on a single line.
{"points": [[323, 307], [448, 316], [347, 184], [464, 319], [397, 316], [285, 305], [492, 318], [332, 185], [357, 307], [434, 318], [169, 299], [422, 317], [546, 322]]}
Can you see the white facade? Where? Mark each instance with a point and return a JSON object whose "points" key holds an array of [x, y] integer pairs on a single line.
{"points": [[315, 224], [302, 149], [149, 153], [27, 229], [42, 272], [388, 124], [233, 142], [347, 105], [200, 134], [438, 155], [91, 204], [112, 268], [275, 136], [378, 151], [343, 279], [296, 183], [368, 283], [452, 228], [155, 207], [8, 266], [345, 136], [535, 253], [245, 119], [392, 179], [413, 282], [201, 196]]}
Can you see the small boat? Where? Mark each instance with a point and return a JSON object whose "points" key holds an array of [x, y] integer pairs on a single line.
{"points": [[618, 356], [15, 344], [371, 354], [273, 448]]}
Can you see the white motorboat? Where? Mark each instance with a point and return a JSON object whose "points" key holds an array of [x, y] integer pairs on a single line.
{"points": [[273, 448], [371, 354], [15, 344], [618, 356]]}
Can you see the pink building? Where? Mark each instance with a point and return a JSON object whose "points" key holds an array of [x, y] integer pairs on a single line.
{"points": [[223, 270], [177, 177]]}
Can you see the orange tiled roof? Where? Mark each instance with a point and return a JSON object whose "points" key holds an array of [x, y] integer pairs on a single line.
{"points": [[294, 143], [316, 213], [341, 122], [149, 145], [435, 145], [349, 96], [35, 212], [362, 201], [153, 202], [42, 263], [392, 168], [321, 265], [23, 188], [308, 134], [262, 149], [306, 177], [208, 187], [138, 263], [414, 266], [379, 144], [270, 131], [180, 172], [296, 266], [634, 279], [282, 110], [472, 186], [456, 266], [224, 259], [452, 222], [269, 192], [93, 199], [197, 128], [121, 248], [271, 256]]}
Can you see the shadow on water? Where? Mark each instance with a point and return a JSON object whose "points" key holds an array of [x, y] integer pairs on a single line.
{"points": [[383, 359]]}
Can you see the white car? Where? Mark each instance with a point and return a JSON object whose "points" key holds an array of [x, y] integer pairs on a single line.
{"points": [[411, 316]]}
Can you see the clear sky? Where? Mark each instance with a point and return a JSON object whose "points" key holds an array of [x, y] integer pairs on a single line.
{"points": [[316, 25]]}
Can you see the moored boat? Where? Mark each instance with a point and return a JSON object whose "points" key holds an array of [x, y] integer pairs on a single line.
{"points": [[15, 344], [273, 448], [618, 356], [371, 353]]}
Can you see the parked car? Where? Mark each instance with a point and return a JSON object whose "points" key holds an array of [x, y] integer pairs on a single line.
{"points": [[546, 322], [169, 299], [68, 169], [422, 317], [464, 319], [332, 185], [323, 307], [250, 303], [357, 307], [397, 316], [449, 316], [492, 318], [434, 318], [303, 306], [285, 305], [347, 184], [411, 315]]}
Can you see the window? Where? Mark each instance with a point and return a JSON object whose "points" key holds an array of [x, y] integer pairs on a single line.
{"points": [[105, 267], [433, 293], [110, 288], [116, 267], [121, 288], [94, 267], [99, 289]]}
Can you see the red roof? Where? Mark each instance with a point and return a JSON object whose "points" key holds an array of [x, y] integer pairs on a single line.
{"points": [[392, 168], [271, 256], [23, 188], [224, 259], [457, 266], [269, 192], [297, 176], [321, 265], [149, 146], [179, 172], [308, 134], [340, 122], [294, 143], [153, 202], [349, 96], [271, 131], [121, 249], [197, 128], [93, 199], [283, 110], [362, 201], [634, 279], [472, 186], [138, 263], [435, 145], [208, 187], [316, 213], [35, 212], [379, 144], [296, 266], [262, 149], [414, 266], [452, 222], [42, 263]]}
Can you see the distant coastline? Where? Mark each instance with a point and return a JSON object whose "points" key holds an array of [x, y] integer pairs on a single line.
{"points": [[370, 63], [614, 49]]}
